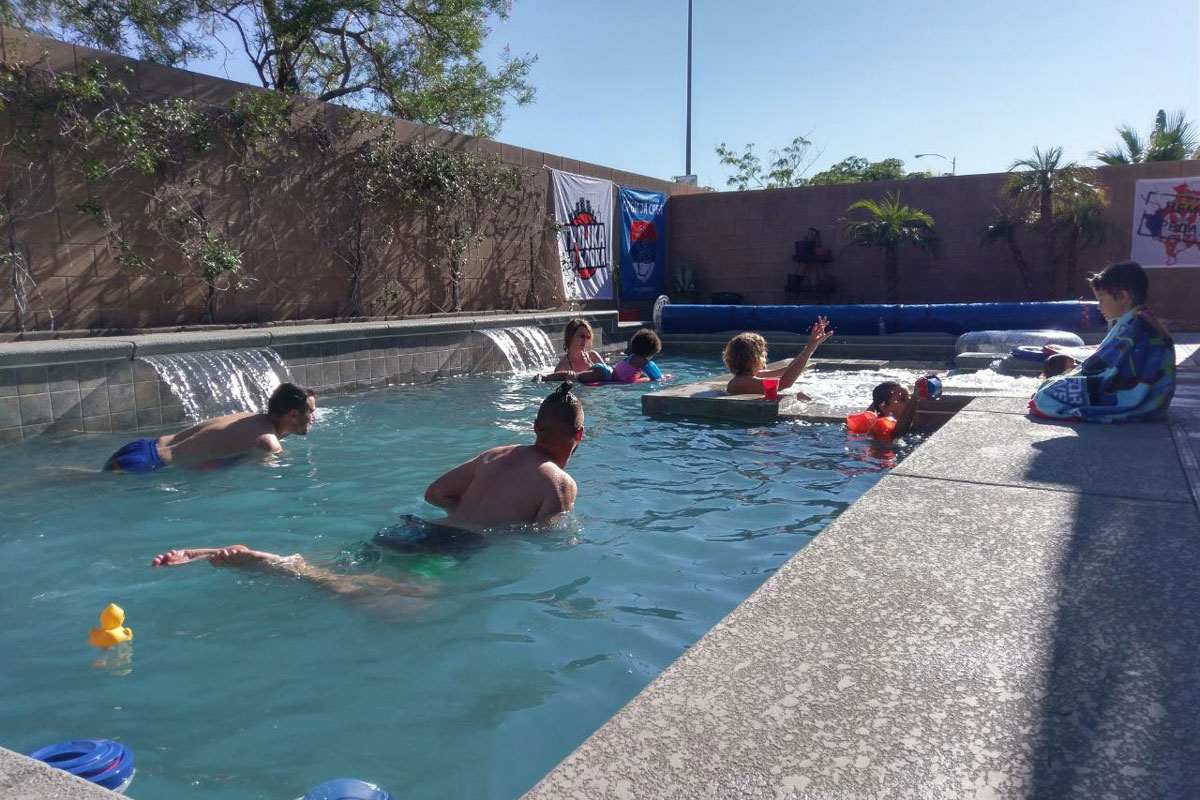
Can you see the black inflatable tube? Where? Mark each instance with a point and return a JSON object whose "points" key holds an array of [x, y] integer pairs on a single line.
{"points": [[864, 320]]}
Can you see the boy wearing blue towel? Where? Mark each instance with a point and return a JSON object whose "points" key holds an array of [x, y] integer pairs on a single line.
{"points": [[1131, 375]]}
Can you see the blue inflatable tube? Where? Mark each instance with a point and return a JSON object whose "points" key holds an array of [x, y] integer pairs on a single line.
{"points": [[101, 761], [864, 320]]}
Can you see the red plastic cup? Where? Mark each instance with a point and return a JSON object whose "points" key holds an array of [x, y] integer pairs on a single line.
{"points": [[771, 388]]}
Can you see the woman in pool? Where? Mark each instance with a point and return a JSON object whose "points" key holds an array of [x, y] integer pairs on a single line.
{"points": [[746, 357], [639, 365], [578, 340]]}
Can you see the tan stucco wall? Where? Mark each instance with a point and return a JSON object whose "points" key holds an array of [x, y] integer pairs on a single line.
{"points": [[743, 242], [278, 230]]}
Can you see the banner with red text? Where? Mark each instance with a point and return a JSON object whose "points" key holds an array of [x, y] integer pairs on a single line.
{"points": [[583, 209]]}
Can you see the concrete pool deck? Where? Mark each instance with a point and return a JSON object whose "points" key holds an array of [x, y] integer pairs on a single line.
{"points": [[1012, 612]]}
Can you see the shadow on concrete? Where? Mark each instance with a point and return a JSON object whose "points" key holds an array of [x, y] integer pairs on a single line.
{"points": [[1122, 678]]}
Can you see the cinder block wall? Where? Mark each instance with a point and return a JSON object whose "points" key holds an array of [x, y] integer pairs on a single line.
{"points": [[278, 230], [743, 242]]}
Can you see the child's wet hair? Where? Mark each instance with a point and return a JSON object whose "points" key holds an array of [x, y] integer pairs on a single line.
{"points": [[745, 354], [1126, 276], [881, 394], [645, 343], [573, 327]]}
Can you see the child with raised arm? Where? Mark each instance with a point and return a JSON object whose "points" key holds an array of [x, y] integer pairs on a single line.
{"points": [[643, 347], [1131, 375], [746, 357], [890, 414]]}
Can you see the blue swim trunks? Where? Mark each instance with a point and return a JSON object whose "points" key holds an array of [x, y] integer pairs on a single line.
{"points": [[415, 535], [137, 456]]}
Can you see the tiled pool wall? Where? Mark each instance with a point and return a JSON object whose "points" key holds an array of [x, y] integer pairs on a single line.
{"points": [[101, 385]]}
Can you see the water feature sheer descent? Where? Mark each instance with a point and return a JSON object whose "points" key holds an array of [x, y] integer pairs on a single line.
{"points": [[526, 348], [213, 383]]}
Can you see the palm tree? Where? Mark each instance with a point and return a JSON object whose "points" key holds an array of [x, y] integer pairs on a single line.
{"points": [[1033, 187], [1006, 223], [891, 226], [1174, 138], [1081, 223]]}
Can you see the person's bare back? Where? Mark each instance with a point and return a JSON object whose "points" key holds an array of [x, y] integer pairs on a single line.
{"points": [[290, 410], [220, 437], [514, 484]]}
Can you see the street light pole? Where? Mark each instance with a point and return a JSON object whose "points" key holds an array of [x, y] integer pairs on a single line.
{"points": [[953, 159], [688, 166]]}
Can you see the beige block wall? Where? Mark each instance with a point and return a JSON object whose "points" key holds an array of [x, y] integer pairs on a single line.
{"points": [[743, 242], [278, 229]]}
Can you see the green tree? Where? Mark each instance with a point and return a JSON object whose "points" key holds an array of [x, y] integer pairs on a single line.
{"points": [[416, 59], [860, 170], [458, 193], [785, 167], [1037, 188], [1081, 225], [891, 226], [1006, 223], [1173, 138]]}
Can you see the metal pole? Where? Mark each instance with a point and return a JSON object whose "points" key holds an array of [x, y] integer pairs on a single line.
{"points": [[688, 167]]}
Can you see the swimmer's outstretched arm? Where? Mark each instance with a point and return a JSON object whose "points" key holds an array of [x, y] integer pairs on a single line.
{"points": [[295, 566], [816, 337], [904, 424]]}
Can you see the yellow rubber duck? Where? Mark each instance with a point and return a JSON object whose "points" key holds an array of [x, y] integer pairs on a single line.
{"points": [[111, 631]]}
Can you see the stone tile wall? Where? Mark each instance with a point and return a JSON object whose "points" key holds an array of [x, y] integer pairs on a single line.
{"points": [[99, 386]]}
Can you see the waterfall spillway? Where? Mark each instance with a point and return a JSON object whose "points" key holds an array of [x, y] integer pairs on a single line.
{"points": [[526, 348], [213, 383]]}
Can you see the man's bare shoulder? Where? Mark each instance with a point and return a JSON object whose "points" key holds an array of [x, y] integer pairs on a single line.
{"points": [[496, 453]]}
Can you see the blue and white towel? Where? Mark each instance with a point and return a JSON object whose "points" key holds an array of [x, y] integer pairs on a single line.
{"points": [[1130, 377]]}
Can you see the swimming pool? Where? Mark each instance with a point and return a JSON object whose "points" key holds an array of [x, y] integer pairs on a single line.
{"points": [[255, 686]]}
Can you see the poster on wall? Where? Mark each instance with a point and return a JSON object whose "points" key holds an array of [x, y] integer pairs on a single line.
{"points": [[1166, 214], [643, 243], [583, 209]]}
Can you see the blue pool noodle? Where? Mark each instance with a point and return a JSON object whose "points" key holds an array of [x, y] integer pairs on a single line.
{"points": [[863, 320]]}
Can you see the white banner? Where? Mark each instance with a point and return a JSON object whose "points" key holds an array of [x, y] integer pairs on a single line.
{"points": [[1166, 214], [583, 209]]}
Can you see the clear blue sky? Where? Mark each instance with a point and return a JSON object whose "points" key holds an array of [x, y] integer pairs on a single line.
{"points": [[980, 80]]}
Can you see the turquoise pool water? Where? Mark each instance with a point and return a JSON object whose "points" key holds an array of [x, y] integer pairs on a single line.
{"points": [[255, 686]]}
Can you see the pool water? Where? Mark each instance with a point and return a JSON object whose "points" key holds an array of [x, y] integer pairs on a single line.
{"points": [[851, 389], [243, 685]]}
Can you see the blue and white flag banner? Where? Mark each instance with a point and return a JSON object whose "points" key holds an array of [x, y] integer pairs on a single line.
{"points": [[643, 244], [1166, 216], [583, 209]]}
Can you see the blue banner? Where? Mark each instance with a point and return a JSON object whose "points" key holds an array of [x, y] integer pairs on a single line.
{"points": [[643, 244]]}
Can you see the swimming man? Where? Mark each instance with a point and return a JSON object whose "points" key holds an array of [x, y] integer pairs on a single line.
{"points": [[290, 409], [508, 485]]}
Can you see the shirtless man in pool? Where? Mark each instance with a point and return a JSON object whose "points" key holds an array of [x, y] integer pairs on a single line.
{"points": [[290, 409], [512, 484]]}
